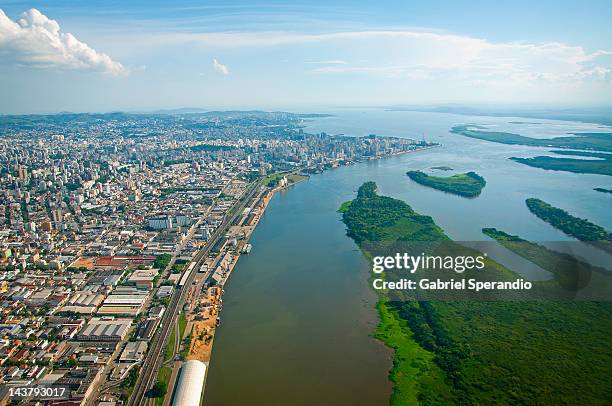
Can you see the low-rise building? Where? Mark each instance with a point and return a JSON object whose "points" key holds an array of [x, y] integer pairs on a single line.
{"points": [[134, 351], [104, 329]]}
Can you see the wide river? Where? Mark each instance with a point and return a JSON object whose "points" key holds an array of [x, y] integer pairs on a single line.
{"points": [[298, 312]]}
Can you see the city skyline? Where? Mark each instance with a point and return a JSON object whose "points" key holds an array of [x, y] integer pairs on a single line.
{"points": [[67, 56]]}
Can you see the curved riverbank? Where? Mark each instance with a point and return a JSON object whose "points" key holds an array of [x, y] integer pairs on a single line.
{"points": [[289, 322], [298, 313]]}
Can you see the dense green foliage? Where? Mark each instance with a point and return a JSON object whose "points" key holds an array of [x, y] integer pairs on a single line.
{"points": [[478, 352], [463, 184], [601, 165], [594, 141], [162, 261], [159, 390], [581, 229], [371, 217]]}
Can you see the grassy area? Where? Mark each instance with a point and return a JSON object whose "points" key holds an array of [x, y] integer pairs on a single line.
{"points": [[479, 352], [272, 180], [164, 373], [593, 141], [295, 178], [414, 369], [163, 377], [182, 322], [468, 184], [344, 207], [169, 351]]}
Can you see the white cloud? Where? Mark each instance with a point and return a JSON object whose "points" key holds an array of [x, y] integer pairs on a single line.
{"points": [[220, 68], [427, 55], [35, 40]]}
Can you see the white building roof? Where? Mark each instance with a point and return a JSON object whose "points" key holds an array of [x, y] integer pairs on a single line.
{"points": [[190, 384]]}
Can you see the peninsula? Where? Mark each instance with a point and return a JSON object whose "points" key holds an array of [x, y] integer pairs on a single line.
{"points": [[576, 227], [599, 164], [588, 141]]}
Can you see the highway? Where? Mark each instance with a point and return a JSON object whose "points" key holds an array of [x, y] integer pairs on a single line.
{"points": [[148, 373]]}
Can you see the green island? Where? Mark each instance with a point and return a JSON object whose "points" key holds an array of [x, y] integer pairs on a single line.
{"points": [[479, 352], [576, 227], [601, 165], [592, 141], [602, 190], [468, 184]]}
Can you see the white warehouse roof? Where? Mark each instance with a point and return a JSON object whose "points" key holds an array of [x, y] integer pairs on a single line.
{"points": [[190, 384]]}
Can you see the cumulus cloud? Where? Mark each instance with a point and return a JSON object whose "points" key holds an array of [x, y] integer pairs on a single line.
{"points": [[37, 41], [220, 68]]}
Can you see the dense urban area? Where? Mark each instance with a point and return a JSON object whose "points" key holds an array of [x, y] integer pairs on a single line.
{"points": [[118, 232]]}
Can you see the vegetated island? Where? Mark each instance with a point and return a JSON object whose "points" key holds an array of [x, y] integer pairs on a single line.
{"points": [[592, 141], [570, 272], [468, 184], [602, 190], [601, 165], [576, 227], [476, 352]]}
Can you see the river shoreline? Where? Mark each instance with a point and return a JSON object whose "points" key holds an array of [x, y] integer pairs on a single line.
{"points": [[372, 303]]}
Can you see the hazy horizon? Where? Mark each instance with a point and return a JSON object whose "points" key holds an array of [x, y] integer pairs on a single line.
{"points": [[137, 56]]}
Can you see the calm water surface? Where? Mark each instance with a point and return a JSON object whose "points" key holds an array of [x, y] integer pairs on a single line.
{"points": [[298, 313]]}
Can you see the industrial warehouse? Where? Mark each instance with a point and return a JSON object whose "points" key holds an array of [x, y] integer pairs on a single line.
{"points": [[190, 384]]}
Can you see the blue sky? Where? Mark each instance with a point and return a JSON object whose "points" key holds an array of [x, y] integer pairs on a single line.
{"points": [[141, 55]]}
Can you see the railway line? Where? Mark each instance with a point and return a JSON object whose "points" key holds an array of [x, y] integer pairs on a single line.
{"points": [[152, 362]]}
